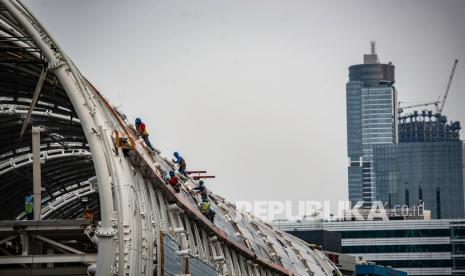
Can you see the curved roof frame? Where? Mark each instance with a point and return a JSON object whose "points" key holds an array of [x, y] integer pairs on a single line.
{"points": [[21, 20], [53, 208], [64, 147], [98, 120]]}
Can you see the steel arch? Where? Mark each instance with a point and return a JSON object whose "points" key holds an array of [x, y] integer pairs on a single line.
{"points": [[137, 207]]}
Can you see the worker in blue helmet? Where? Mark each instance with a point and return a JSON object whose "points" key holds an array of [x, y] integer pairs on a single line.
{"points": [[142, 131], [181, 163], [201, 190]]}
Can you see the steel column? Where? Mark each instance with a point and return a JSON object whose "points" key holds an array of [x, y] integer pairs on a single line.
{"points": [[36, 172]]}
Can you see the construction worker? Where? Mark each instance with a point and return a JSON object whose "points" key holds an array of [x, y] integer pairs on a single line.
{"points": [[125, 145], [174, 182], [201, 190], [142, 131], [28, 206], [181, 163], [88, 214], [207, 211]]}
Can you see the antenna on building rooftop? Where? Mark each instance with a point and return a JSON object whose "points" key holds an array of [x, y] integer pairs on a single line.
{"points": [[373, 47], [371, 58]]}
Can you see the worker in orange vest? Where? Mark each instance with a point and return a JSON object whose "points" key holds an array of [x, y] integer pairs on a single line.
{"points": [[142, 131], [88, 214], [174, 181]]}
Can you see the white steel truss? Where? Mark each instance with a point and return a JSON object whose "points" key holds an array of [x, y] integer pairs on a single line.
{"points": [[26, 159], [138, 209]]}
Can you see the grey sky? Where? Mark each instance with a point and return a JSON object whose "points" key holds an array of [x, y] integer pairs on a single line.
{"points": [[254, 91]]}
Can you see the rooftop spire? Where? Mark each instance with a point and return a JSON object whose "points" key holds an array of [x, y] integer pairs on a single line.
{"points": [[373, 47], [371, 58]]}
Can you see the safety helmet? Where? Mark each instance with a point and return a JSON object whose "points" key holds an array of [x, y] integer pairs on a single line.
{"points": [[176, 154], [138, 120], [201, 182], [171, 173]]}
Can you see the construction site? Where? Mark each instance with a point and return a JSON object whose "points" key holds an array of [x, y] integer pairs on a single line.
{"points": [[428, 125], [98, 195], [83, 191]]}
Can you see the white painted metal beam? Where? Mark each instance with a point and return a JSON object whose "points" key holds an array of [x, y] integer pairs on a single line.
{"points": [[39, 259], [35, 98], [59, 245], [26, 159]]}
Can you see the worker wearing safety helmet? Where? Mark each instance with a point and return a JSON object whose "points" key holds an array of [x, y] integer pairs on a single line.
{"points": [[181, 163], [142, 131], [201, 190], [174, 182], [207, 211]]}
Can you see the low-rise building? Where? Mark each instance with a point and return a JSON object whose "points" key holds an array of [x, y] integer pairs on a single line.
{"points": [[345, 263], [377, 270], [418, 247]]}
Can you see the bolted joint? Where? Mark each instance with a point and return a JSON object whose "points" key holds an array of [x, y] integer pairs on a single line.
{"points": [[56, 66], [105, 233]]}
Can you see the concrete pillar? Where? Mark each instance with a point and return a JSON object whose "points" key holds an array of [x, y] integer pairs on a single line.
{"points": [[36, 172]]}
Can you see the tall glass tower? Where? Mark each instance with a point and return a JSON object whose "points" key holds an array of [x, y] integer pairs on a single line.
{"points": [[371, 120], [427, 165]]}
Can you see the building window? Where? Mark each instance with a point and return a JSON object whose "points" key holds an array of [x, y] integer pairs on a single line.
{"points": [[438, 202], [406, 197]]}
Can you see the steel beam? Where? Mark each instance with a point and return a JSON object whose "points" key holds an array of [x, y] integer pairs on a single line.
{"points": [[59, 245], [59, 271], [35, 98], [42, 226], [23, 160], [57, 258], [7, 239]]}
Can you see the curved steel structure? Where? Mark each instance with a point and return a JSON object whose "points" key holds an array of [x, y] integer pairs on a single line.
{"points": [[135, 206]]}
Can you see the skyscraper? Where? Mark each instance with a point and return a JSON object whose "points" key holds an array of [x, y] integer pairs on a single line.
{"points": [[426, 165], [371, 119]]}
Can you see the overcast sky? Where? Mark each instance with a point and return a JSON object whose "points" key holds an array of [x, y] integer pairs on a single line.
{"points": [[254, 91]]}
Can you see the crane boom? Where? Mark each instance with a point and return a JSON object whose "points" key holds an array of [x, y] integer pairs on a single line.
{"points": [[443, 101]]}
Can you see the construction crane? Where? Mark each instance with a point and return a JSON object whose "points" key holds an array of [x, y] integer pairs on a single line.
{"points": [[438, 103], [443, 101]]}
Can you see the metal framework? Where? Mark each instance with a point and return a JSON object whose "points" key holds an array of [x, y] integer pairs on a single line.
{"points": [[23, 243], [135, 207]]}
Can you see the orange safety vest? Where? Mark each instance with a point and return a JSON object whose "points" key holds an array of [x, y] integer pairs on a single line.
{"points": [[88, 215], [142, 129]]}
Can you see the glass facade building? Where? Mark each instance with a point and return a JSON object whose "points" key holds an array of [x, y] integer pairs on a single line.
{"points": [[371, 119], [431, 172]]}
